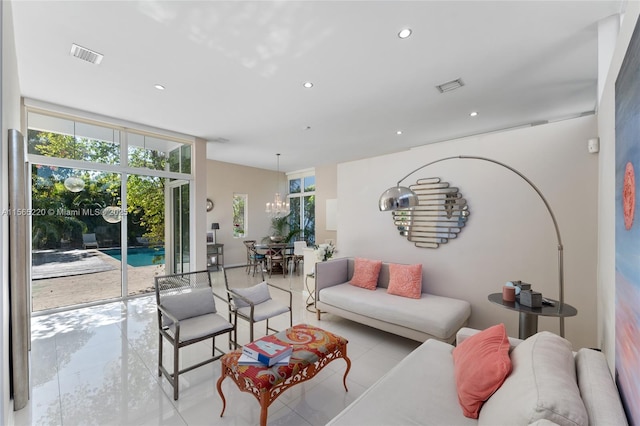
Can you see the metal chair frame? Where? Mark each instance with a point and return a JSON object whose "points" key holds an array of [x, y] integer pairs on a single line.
{"points": [[233, 310], [179, 283]]}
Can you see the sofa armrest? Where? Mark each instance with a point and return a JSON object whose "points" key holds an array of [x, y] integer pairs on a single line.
{"points": [[330, 273], [466, 332], [598, 389]]}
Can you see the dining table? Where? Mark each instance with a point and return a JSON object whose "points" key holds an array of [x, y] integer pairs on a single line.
{"points": [[288, 254]]}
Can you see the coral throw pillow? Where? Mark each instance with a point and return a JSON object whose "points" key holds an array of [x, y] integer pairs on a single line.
{"points": [[405, 280], [481, 365], [365, 273]]}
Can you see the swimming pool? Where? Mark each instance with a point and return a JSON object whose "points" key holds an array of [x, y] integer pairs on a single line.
{"points": [[139, 256]]}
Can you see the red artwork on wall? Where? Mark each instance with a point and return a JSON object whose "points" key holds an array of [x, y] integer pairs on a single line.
{"points": [[629, 195]]}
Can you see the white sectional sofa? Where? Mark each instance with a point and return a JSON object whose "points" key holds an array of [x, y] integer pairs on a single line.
{"points": [[549, 384], [429, 317]]}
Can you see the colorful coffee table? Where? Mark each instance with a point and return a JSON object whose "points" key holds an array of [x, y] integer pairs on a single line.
{"points": [[313, 349]]}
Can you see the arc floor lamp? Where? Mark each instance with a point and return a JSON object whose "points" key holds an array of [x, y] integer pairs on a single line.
{"points": [[402, 197]]}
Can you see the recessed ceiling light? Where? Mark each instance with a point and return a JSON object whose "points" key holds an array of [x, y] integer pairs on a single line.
{"points": [[159, 86], [398, 132], [473, 113], [404, 33], [308, 84]]}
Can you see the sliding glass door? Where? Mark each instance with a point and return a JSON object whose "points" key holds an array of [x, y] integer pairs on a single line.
{"points": [[76, 228], [104, 202], [180, 226]]}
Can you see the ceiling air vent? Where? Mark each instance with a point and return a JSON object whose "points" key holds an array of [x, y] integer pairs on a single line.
{"points": [[86, 54], [450, 85], [219, 140]]}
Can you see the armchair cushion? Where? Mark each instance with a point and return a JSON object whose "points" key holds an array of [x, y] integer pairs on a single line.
{"points": [[264, 310], [257, 294], [365, 273], [188, 305], [198, 327]]}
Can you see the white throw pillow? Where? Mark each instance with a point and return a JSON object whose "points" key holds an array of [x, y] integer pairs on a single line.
{"points": [[258, 293], [542, 386]]}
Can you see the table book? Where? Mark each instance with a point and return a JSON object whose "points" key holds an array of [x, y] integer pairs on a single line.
{"points": [[247, 360], [268, 350]]}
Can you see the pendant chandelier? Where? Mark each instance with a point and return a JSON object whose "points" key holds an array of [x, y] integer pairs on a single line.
{"points": [[278, 208]]}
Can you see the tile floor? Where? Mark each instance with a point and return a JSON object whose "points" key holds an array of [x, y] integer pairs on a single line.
{"points": [[98, 366]]}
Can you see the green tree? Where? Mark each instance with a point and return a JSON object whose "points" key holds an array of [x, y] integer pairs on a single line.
{"points": [[238, 215], [146, 194], [145, 202]]}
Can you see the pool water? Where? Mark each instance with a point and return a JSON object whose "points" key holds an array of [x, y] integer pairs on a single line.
{"points": [[139, 256]]}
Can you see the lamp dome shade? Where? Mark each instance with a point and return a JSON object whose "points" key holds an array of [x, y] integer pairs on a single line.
{"points": [[74, 184], [112, 214], [398, 197]]}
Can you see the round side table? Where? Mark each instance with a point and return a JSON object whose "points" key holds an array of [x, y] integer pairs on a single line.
{"points": [[528, 323]]}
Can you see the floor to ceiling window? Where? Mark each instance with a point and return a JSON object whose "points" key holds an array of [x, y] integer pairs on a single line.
{"points": [[302, 201], [100, 195]]}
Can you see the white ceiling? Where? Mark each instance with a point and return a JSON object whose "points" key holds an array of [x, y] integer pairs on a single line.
{"points": [[234, 70]]}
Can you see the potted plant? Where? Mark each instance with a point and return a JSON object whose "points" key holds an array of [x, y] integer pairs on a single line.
{"points": [[281, 231], [279, 227]]}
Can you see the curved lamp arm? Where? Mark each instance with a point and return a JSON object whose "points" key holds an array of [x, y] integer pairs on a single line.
{"points": [[546, 204]]}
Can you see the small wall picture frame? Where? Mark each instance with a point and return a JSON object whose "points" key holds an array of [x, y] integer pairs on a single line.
{"points": [[210, 237]]}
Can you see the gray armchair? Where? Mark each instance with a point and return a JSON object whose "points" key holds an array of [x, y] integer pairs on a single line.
{"points": [[254, 304], [187, 314]]}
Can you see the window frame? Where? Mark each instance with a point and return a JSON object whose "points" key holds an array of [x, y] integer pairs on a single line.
{"points": [[301, 175], [245, 214]]}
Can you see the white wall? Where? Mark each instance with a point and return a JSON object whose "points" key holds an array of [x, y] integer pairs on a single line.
{"points": [[606, 199], [509, 234], [225, 179], [199, 200], [326, 185], [10, 120]]}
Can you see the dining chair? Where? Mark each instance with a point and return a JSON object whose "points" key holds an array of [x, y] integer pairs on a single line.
{"points": [[298, 253], [276, 256], [254, 259], [186, 308], [254, 304]]}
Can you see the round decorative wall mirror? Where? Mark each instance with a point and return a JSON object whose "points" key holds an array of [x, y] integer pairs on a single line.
{"points": [[440, 215]]}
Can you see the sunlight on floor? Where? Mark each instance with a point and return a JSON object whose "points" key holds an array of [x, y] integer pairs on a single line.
{"points": [[98, 365]]}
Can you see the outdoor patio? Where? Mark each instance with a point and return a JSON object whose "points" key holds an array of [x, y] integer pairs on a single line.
{"points": [[71, 277]]}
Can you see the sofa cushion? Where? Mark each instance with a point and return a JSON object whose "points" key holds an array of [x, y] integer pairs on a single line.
{"points": [[420, 390], [542, 385], [405, 280], [481, 365], [436, 315], [365, 273], [257, 294]]}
